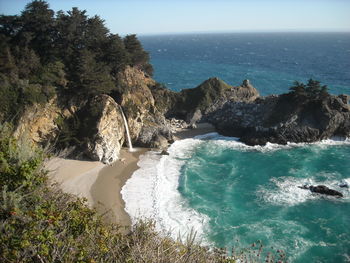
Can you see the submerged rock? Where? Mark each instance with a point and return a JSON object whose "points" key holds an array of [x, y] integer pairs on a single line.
{"points": [[322, 189]]}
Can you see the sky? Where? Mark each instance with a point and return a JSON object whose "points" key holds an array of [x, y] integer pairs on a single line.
{"points": [[184, 16]]}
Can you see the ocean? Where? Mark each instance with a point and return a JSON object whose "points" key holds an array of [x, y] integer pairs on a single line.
{"points": [[271, 61], [234, 195]]}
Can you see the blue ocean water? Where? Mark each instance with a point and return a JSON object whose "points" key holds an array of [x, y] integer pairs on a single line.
{"points": [[272, 61], [233, 194], [251, 194]]}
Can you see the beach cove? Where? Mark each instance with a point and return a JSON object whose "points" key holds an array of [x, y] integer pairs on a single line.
{"points": [[101, 184]]}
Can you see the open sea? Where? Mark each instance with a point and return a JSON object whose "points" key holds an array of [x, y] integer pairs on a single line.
{"points": [[232, 194]]}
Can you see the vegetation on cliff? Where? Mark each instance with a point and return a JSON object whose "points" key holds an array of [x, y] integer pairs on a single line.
{"points": [[43, 53]]}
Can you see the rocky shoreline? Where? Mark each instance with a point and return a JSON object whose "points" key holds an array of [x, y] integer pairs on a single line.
{"points": [[94, 127]]}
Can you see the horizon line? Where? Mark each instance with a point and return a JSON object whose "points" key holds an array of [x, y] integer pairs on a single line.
{"points": [[240, 32]]}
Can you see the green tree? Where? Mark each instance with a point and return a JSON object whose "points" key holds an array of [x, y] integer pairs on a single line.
{"points": [[298, 88], [312, 89], [116, 56], [138, 57], [91, 77], [38, 20], [72, 28]]}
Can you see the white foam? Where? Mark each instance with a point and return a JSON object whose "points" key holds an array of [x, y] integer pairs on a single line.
{"points": [[152, 192], [285, 190], [234, 143]]}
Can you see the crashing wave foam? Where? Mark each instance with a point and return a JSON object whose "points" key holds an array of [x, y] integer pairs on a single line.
{"points": [[234, 143], [152, 192]]}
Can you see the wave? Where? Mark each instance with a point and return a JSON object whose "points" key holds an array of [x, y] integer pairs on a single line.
{"points": [[234, 143], [152, 191]]}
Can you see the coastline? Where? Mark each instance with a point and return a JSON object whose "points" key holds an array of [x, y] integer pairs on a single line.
{"points": [[101, 184]]}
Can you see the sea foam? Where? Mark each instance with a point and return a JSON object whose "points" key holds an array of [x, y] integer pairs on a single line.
{"points": [[152, 192]]}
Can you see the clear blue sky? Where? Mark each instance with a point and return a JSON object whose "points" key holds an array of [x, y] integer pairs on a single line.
{"points": [[166, 16]]}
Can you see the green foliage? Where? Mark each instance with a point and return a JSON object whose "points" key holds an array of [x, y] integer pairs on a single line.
{"points": [[312, 89], [138, 56], [9, 96], [68, 53], [91, 77], [19, 161]]}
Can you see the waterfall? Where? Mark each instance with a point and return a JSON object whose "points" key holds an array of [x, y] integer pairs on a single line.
{"points": [[127, 129]]}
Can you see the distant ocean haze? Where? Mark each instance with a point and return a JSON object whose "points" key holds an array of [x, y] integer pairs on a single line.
{"points": [[272, 61]]}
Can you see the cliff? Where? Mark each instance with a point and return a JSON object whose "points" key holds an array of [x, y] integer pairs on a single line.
{"points": [[191, 104], [95, 127], [284, 118]]}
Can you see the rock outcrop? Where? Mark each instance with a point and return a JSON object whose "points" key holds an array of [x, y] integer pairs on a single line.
{"points": [[40, 123], [322, 189], [95, 125], [106, 135], [148, 126], [284, 118], [192, 105]]}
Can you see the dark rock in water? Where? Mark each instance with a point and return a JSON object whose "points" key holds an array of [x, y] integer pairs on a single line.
{"points": [[322, 189], [164, 152], [344, 185]]}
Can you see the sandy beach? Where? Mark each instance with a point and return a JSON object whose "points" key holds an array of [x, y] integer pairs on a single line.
{"points": [[101, 184], [106, 189]]}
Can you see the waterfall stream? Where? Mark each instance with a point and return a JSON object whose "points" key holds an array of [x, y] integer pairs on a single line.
{"points": [[127, 129]]}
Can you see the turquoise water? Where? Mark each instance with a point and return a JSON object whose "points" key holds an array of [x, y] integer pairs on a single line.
{"points": [[251, 194]]}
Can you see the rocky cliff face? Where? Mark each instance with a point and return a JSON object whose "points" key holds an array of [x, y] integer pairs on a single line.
{"points": [[95, 125], [147, 124], [284, 118], [39, 122], [106, 135], [193, 104], [98, 130]]}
